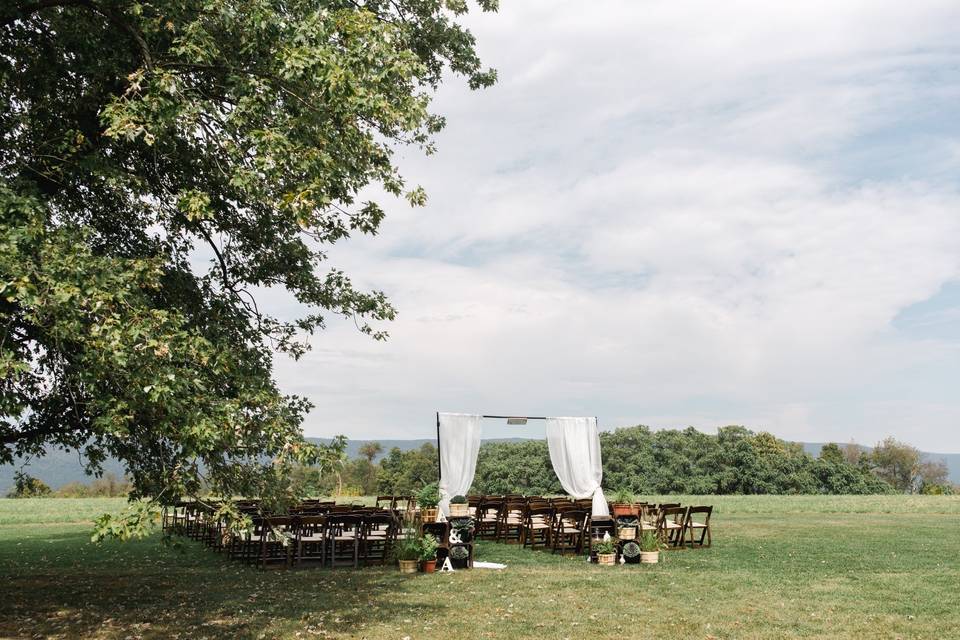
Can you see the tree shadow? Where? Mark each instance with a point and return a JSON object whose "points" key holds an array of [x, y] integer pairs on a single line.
{"points": [[59, 585]]}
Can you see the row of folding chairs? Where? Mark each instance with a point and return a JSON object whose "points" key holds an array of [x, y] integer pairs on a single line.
{"points": [[322, 534], [333, 540]]}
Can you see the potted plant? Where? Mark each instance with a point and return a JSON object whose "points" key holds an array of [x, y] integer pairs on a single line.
{"points": [[459, 556], [631, 552], [462, 530], [606, 550], [623, 503], [406, 551], [428, 552], [627, 527], [427, 499], [459, 507], [649, 548]]}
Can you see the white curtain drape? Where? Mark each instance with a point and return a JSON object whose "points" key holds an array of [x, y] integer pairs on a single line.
{"points": [[459, 442], [574, 445]]}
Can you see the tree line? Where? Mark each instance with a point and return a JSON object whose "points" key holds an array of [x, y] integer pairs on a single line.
{"points": [[734, 461], [643, 461]]}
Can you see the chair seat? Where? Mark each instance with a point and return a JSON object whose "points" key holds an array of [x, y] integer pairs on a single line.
{"points": [[538, 525], [316, 538], [673, 525], [697, 525]]}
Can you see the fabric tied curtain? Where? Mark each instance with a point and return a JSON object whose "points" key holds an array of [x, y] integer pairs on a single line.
{"points": [[459, 442], [574, 445]]}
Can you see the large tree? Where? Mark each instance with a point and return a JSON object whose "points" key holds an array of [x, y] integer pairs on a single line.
{"points": [[165, 161]]}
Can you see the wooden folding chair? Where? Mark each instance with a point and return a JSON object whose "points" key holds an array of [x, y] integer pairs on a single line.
{"points": [[703, 527], [537, 526], [568, 531], [671, 524], [311, 540], [275, 537], [511, 522], [344, 533], [379, 533], [487, 519]]}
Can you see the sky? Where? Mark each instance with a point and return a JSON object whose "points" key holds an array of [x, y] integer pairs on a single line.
{"points": [[673, 214]]}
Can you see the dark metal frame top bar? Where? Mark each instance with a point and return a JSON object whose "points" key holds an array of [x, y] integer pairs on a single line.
{"points": [[520, 417]]}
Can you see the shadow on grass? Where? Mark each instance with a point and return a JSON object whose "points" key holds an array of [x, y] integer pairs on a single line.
{"points": [[59, 585]]}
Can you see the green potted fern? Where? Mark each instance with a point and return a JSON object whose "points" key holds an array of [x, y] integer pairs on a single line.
{"points": [[406, 551], [427, 499], [428, 552], [606, 550]]}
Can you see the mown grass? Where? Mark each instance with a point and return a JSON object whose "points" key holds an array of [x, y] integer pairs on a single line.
{"points": [[782, 567]]}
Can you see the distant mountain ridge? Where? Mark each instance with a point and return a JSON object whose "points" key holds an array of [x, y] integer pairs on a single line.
{"points": [[59, 467]]}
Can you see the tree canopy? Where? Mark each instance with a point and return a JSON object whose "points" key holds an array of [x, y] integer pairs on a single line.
{"points": [[163, 163]]}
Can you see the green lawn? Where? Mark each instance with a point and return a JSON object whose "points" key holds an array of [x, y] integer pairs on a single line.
{"points": [[811, 567]]}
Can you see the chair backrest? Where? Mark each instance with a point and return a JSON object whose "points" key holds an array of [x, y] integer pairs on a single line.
{"points": [[677, 514], [705, 511], [341, 508], [403, 503], [339, 523], [311, 525], [385, 501], [382, 522], [489, 508], [543, 514], [514, 510], [573, 519]]}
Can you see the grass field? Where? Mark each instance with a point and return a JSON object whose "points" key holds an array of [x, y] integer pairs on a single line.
{"points": [[781, 567]]}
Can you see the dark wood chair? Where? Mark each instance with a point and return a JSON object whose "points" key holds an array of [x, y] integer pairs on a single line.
{"points": [[311, 543], [700, 525], [671, 525], [568, 531], [379, 534], [344, 533], [275, 535], [512, 517], [487, 519], [538, 526]]}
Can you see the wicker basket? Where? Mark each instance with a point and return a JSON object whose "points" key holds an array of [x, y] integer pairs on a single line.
{"points": [[627, 533], [607, 558], [460, 510]]}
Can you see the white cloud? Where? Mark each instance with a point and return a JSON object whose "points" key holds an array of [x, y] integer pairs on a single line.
{"points": [[665, 213]]}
